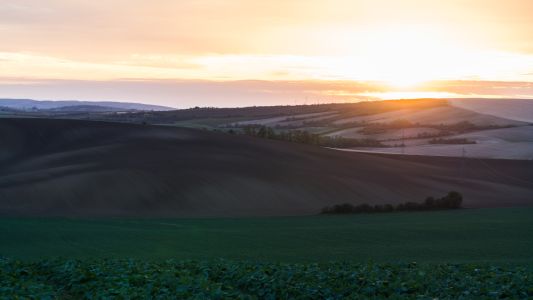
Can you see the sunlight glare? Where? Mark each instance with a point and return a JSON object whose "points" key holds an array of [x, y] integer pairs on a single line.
{"points": [[404, 57]]}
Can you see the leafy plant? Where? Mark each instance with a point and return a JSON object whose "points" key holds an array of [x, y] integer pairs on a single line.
{"points": [[133, 279]]}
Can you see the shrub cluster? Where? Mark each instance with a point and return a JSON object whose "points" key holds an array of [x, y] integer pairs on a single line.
{"points": [[452, 200]]}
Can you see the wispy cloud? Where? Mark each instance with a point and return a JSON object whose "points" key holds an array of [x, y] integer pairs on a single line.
{"points": [[209, 51], [480, 66]]}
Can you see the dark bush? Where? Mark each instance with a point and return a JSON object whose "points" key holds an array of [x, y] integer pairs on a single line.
{"points": [[452, 200]]}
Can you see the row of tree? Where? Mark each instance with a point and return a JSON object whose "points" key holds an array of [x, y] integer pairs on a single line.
{"points": [[451, 141], [305, 137], [452, 200]]}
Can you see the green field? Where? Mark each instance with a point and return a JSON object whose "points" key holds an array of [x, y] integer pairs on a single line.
{"points": [[137, 279], [495, 236]]}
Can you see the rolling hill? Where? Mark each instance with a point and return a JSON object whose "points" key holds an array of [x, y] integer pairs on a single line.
{"points": [[53, 167], [512, 109]]}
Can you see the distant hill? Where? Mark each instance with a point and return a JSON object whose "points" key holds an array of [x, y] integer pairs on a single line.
{"points": [[87, 108], [83, 168], [512, 109], [255, 112], [4, 109], [412, 123], [29, 104]]}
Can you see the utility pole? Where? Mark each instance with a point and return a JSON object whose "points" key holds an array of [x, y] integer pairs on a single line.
{"points": [[463, 161], [403, 140]]}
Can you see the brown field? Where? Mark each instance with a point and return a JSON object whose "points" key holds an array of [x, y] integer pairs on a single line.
{"points": [[83, 168], [502, 143], [435, 115]]}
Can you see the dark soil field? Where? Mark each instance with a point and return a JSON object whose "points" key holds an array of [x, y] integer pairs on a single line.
{"points": [[84, 168]]}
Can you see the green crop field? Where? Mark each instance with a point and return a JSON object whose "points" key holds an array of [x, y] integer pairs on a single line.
{"points": [[137, 279], [460, 254], [496, 236]]}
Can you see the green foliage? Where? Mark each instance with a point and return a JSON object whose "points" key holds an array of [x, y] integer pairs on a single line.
{"points": [[452, 200], [133, 279]]}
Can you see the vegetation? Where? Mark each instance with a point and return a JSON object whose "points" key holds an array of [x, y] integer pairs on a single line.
{"points": [[451, 201], [133, 279], [341, 142], [444, 129], [305, 137], [460, 141], [376, 128], [466, 126], [426, 135]]}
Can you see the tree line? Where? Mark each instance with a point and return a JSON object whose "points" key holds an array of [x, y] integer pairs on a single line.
{"points": [[451, 141], [305, 137], [452, 200]]}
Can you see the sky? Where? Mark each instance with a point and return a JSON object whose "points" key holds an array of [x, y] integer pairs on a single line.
{"points": [[244, 52]]}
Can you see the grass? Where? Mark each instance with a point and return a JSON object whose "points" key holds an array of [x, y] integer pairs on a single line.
{"points": [[496, 236]]}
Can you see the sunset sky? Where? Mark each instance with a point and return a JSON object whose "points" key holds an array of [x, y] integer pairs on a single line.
{"points": [[236, 53]]}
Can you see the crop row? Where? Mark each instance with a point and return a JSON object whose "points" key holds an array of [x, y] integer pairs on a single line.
{"points": [[135, 279]]}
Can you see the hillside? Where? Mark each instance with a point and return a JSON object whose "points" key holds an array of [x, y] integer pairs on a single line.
{"points": [[513, 109], [433, 127], [73, 168]]}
